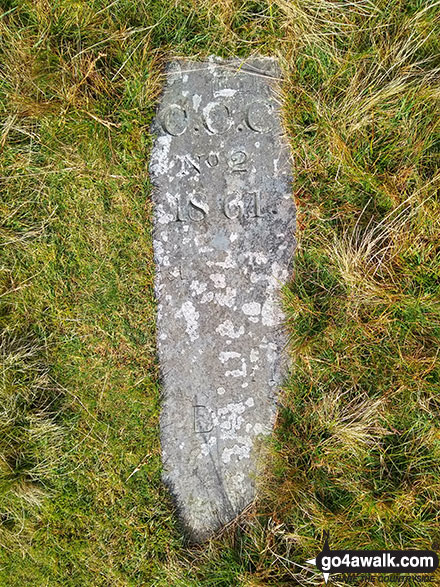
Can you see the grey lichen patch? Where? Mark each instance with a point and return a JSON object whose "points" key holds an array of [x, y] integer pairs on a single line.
{"points": [[223, 242]]}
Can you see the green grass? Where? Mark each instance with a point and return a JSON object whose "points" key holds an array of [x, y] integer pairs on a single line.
{"points": [[357, 445]]}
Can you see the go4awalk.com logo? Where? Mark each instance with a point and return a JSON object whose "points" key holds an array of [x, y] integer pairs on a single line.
{"points": [[373, 561]]}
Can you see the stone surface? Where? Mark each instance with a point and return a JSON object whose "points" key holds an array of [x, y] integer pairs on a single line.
{"points": [[223, 242]]}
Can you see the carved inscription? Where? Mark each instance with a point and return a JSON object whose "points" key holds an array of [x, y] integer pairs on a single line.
{"points": [[223, 243], [216, 118], [175, 120], [237, 162], [232, 206]]}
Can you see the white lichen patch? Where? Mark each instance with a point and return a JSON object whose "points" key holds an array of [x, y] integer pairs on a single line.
{"points": [[256, 257], [196, 100], [241, 451], [277, 277], [191, 317], [225, 92], [226, 298], [271, 313], [238, 372], [207, 297], [218, 279], [160, 162], [251, 308], [230, 419], [225, 356], [207, 447], [158, 249], [260, 429], [227, 328], [197, 287], [271, 349], [162, 216], [228, 263]]}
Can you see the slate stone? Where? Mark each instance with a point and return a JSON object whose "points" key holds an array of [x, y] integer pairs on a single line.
{"points": [[223, 242]]}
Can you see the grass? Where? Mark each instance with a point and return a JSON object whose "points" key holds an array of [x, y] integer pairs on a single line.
{"points": [[357, 445]]}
